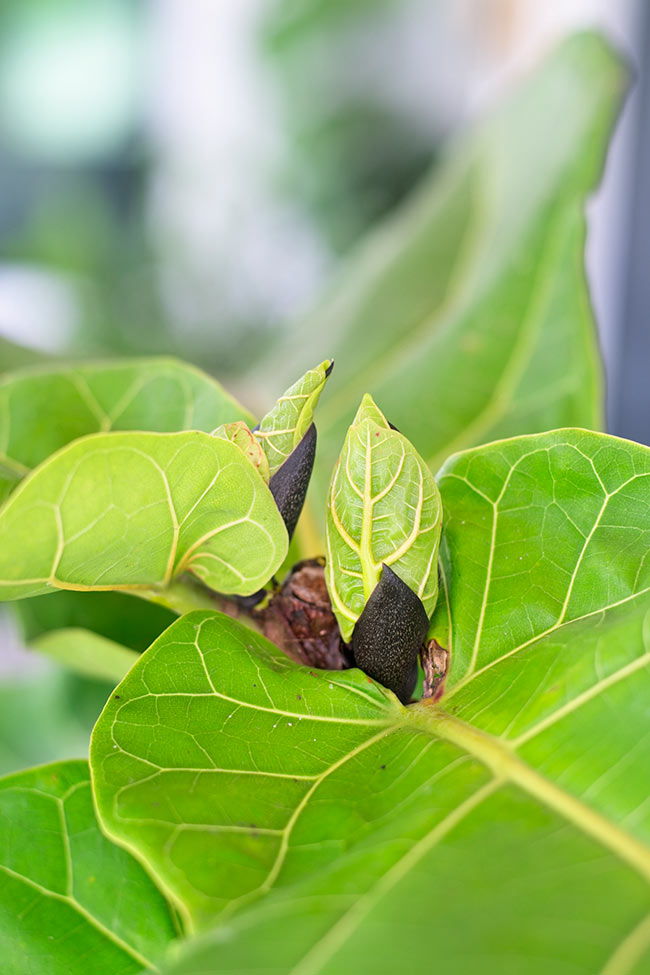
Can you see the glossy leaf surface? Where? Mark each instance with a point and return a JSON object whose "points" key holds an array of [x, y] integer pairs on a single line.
{"points": [[383, 509], [45, 407], [466, 314], [513, 815], [129, 510], [71, 901]]}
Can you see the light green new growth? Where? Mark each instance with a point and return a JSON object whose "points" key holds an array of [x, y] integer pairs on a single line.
{"points": [[238, 433], [383, 508], [285, 425]]}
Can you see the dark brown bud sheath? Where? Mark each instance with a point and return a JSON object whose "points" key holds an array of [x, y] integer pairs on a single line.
{"points": [[290, 482], [389, 634]]}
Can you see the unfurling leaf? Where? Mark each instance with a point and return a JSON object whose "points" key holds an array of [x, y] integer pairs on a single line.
{"points": [[283, 428], [135, 510], [384, 509], [238, 433]]}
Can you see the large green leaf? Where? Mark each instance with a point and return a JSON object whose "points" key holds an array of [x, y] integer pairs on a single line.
{"points": [[44, 408], [383, 509], [469, 307], [129, 510], [70, 901], [506, 829]]}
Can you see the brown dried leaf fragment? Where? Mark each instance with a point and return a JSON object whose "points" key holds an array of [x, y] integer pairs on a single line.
{"points": [[435, 663], [299, 619]]}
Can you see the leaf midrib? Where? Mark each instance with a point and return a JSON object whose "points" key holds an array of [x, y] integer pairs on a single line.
{"points": [[501, 759], [506, 768]]}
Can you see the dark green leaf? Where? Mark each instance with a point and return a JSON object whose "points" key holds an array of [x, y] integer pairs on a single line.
{"points": [[70, 901]]}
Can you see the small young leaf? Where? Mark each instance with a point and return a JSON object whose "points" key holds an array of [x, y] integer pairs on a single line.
{"points": [[135, 510], [283, 428], [71, 901], [384, 509], [238, 433]]}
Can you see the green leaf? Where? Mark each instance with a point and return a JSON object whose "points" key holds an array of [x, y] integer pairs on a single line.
{"points": [[70, 901], [506, 829], [159, 785], [469, 306], [238, 433], [44, 408], [87, 653], [283, 428], [135, 510], [383, 509]]}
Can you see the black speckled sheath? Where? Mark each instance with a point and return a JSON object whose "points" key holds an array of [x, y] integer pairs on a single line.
{"points": [[388, 635], [290, 482]]}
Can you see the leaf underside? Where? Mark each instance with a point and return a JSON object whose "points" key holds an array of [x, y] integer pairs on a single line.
{"points": [[513, 818], [70, 901], [129, 510], [87, 653]]}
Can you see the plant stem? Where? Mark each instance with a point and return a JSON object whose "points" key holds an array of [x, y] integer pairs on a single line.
{"points": [[181, 597]]}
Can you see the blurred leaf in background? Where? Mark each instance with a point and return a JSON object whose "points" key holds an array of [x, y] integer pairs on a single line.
{"points": [[366, 103], [47, 715], [466, 314]]}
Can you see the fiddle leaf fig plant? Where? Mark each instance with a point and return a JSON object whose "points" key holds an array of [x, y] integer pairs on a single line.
{"points": [[270, 788]]}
